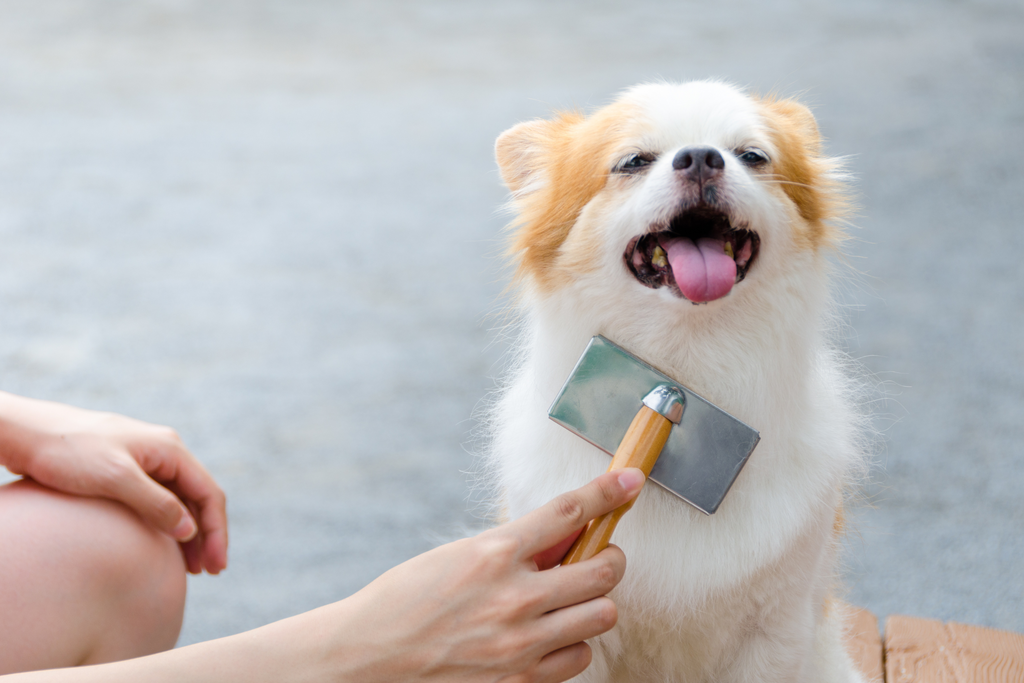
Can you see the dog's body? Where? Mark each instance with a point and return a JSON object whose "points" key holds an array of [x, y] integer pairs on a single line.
{"points": [[614, 209]]}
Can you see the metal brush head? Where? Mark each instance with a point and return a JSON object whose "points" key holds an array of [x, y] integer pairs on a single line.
{"points": [[705, 451]]}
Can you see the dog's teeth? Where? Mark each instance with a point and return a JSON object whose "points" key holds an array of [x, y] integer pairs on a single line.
{"points": [[728, 251], [658, 257]]}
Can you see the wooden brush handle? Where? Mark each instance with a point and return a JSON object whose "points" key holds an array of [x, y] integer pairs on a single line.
{"points": [[640, 448]]}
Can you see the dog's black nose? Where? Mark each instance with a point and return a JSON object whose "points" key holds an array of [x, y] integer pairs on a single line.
{"points": [[699, 161]]}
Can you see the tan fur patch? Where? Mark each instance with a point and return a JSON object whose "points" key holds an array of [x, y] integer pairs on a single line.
{"points": [[555, 168], [803, 172], [839, 523], [828, 606]]}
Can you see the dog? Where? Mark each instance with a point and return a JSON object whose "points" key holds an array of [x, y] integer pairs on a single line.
{"points": [[692, 225]]}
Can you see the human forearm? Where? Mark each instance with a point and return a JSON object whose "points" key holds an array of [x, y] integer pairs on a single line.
{"points": [[269, 654]]}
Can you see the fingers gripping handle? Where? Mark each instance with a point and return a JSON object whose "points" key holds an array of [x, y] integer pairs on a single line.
{"points": [[639, 448]]}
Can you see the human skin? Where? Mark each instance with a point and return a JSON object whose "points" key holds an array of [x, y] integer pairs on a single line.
{"points": [[146, 467], [82, 581], [494, 607], [97, 538]]}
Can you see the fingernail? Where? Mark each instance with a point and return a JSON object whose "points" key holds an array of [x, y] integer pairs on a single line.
{"points": [[631, 479], [185, 530]]}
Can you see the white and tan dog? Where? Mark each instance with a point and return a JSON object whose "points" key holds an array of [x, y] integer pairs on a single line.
{"points": [[674, 196]]}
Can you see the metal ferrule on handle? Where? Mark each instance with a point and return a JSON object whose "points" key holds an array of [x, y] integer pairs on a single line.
{"points": [[639, 448]]}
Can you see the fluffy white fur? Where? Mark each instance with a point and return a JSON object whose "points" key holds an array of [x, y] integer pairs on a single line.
{"points": [[742, 595]]}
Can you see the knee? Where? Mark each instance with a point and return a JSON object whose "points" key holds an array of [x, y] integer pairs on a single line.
{"points": [[142, 572], [128, 577]]}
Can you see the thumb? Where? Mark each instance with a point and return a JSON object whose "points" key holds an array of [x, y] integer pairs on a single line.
{"points": [[570, 511], [157, 505]]}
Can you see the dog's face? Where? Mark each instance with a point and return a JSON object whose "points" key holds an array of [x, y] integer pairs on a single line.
{"points": [[691, 191]]}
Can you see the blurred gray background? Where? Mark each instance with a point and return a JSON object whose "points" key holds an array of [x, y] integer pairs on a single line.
{"points": [[275, 226]]}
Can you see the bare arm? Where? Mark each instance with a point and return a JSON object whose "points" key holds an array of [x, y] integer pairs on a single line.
{"points": [[476, 610]]}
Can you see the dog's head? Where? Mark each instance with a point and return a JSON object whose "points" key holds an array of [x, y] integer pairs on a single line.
{"points": [[688, 192]]}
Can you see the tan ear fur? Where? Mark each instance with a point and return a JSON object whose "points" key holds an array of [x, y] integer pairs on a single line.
{"points": [[554, 168], [520, 152], [800, 120], [807, 177]]}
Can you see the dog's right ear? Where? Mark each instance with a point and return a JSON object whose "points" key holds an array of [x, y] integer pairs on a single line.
{"points": [[521, 152]]}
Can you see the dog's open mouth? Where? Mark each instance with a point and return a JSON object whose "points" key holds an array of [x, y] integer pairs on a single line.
{"points": [[700, 255]]}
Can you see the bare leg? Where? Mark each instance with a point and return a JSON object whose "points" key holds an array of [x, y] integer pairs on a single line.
{"points": [[82, 581]]}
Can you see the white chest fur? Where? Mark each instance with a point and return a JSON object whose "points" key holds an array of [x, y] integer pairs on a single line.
{"points": [[697, 587]]}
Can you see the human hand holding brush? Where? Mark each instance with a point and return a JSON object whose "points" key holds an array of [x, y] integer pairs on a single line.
{"points": [[492, 607]]}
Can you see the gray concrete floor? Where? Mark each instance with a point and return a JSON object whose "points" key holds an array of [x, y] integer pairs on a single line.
{"points": [[275, 226]]}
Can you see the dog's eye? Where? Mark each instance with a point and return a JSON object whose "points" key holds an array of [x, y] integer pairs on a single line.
{"points": [[636, 162], [753, 156]]}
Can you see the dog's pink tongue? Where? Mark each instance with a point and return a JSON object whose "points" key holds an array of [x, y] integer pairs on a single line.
{"points": [[703, 271]]}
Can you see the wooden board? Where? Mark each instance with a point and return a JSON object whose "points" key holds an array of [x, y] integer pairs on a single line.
{"points": [[926, 651], [864, 643]]}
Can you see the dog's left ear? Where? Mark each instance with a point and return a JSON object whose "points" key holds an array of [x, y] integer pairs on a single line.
{"points": [[796, 123], [520, 152], [813, 182]]}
